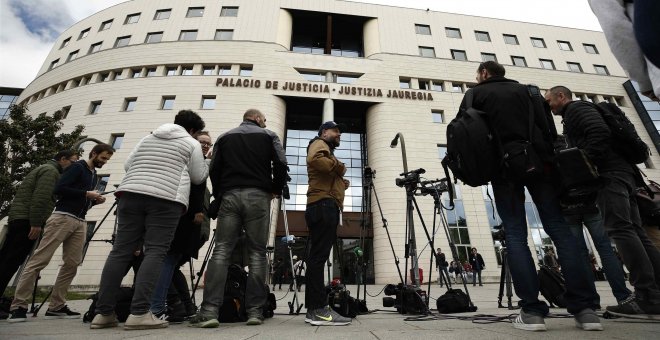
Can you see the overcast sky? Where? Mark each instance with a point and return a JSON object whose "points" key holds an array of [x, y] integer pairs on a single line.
{"points": [[28, 28]]}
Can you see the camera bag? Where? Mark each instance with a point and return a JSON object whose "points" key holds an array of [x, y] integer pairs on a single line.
{"points": [[453, 301]]}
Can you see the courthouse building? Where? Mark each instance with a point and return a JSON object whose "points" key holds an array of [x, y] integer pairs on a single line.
{"points": [[380, 70]]}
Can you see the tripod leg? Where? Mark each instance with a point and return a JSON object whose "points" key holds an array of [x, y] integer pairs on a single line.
{"points": [[503, 277], [192, 278]]}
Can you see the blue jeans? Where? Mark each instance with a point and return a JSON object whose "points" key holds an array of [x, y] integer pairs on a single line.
{"points": [[510, 202], [249, 209], [159, 296], [611, 264]]}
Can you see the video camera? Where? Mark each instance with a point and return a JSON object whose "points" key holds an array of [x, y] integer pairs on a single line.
{"points": [[410, 178], [433, 187], [407, 299]]}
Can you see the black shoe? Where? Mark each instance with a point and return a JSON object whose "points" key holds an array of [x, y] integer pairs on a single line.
{"points": [[3, 315], [632, 307], [171, 318], [18, 315], [62, 313], [191, 310]]}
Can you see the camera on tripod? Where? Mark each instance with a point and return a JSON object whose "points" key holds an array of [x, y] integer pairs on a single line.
{"points": [[410, 178], [407, 299], [434, 187]]}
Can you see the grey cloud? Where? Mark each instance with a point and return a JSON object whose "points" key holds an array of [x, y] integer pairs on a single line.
{"points": [[42, 18]]}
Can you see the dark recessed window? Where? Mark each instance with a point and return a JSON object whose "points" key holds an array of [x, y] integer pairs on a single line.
{"points": [[602, 69], [438, 116], [482, 36], [344, 78], [518, 61], [65, 111], [488, 57], [94, 107], [105, 25], [72, 55], [437, 85], [224, 34], [95, 47], [153, 37], [458, 55], [194, 12], [83, 34], [538, 42], [163, 14], [404, 83], [167, 103], [510, 39], [129, 104], [422, 29], [151, 72], [208, 70], [245, 71], [122, 41], [426, 51], [132, 19], [590, 48], [186, 70], [456, 87], [136, 73], [453, 32], [188, 35], [574, 67], [208, 102], [54, 63], [547, 64], [66, 42], [170, 71], [116, 140], [224, 70], [229, 11], [564, 45]]}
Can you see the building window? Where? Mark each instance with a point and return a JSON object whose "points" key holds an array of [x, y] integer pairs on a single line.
{"points": [[488, 57], [95, 47], [194, 12], [590, 48], [245, 71], [510, 39], [422, 29], [538, 42], [83, 34], [208, 70], [458, 55], [229, 11], [136, 73], [344, 78], [602, 69], [167, 103], [547, 64], [132, 19], [118, 74], [116, 140], [224, 34], [73, 55], [163, 14], [404, 83], [129, 104], [186, 70], [153, 37], [208, 102], [564, 45], [453, 32], [65, 111], [65, 43], [313, 76], [151, 72], [188, 35], [170, 71], [104, 77], [425, 51], [574, 67], [437, 85], [438, 117], [457, 87], [53, 64], [224, 70], [518, 61], [123, 41], [102, 183], [105, 25], [94, 107], [482, 36]]}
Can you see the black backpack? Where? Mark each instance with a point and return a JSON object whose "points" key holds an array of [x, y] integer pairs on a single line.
{"points": [[122, 308], [552, 287], [472, 151], [453, 301], [628, 144], [233, 303]]}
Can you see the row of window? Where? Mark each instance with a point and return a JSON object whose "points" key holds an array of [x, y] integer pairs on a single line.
{"points": [[151, 38], [161, 14], [426, 51], [166, 103], [511, 39]]}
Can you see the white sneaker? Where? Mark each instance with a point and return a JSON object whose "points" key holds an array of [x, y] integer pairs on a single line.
{"points": [[529, 322], [144, 321]]}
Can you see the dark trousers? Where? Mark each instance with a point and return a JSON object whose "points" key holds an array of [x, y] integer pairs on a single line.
{"points": [[624, 226], [14, 251], [140, 217], [322, 218]]}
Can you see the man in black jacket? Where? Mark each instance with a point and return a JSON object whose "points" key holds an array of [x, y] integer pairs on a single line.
{"points": [[478, 264], [586, 129], [248, 169], [507, 104], [66, 226]]}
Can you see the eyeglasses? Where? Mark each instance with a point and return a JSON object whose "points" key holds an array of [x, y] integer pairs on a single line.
{"points": [[207, 144]]}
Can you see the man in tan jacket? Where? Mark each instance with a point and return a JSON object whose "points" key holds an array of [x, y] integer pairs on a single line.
{"points": [[325, 198]]}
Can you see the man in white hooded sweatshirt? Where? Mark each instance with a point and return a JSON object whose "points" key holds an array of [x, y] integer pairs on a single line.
{"points": [[152, 197]]}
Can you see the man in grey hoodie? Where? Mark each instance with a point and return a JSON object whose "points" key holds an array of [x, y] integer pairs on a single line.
{"points": [[153, 196]]}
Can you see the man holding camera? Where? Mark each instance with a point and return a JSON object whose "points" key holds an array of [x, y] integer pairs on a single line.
{"points": [[325, 198], [586, 130], [510, 106], [248, 170], [65, 226]]}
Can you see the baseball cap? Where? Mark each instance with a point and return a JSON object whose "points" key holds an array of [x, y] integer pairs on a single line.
{"points": [[330, 125]]}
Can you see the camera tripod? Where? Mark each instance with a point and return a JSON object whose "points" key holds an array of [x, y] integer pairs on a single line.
{"points": [[505, 280], [289, 242]]}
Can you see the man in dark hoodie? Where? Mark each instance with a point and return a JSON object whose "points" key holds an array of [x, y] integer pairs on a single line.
{"points": [[507, 104], [29, 210], [66, 226]]}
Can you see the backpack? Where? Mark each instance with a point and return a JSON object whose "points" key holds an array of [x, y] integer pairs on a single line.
{"points": [[628, 144], [453, 301], [233, 304], [551, 284], [122, 307], [472, 153]]}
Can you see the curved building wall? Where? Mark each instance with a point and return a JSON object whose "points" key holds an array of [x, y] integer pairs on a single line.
{"points": [[259, 51]]}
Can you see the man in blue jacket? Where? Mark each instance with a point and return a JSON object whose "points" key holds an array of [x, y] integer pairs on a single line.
{"points": [[66, 226]]}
